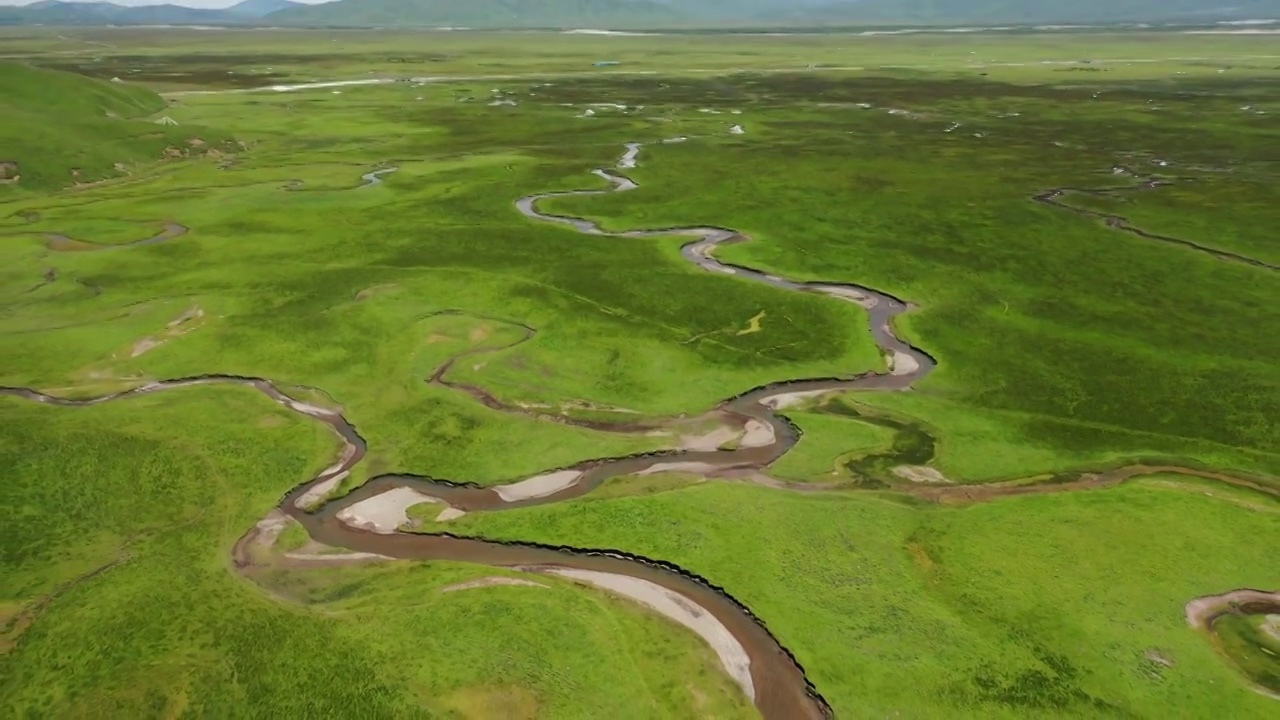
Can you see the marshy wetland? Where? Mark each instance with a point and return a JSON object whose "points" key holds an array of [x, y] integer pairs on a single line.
{"points": [[944, 390]]}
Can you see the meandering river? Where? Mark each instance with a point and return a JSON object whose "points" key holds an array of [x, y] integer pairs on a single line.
{"points": [[768, 673]]}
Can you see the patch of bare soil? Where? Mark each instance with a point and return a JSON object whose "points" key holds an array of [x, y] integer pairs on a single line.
{"points": [[450, 513], [782, 401], [711, 441], [847, 293], [901, 363], [319, 491], [177, 327], [1271, 626], [490, 582], [337, 557], [386, 512], [676, 607], [921, 474], [270, 527], [758, 434], [696, 468], [538, 486]]}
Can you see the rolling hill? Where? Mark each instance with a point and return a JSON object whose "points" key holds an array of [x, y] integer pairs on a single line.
{"points": [[56, 12], [482, 13], [60, 128], [643, 13], [260, 8], [1027, 11]]}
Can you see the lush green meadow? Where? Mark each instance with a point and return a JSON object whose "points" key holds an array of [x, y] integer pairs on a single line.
{"points": [[152, 493], [1063, 345], [1046, 606]]}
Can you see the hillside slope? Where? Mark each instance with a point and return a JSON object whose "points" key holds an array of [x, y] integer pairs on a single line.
{"points": [[641, 13], [1032, 11], [260, 8], [60, 128], [55, 12], [482, 13]]}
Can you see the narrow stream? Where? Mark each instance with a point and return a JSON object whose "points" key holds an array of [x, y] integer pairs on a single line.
{"points": [[777, 683]]}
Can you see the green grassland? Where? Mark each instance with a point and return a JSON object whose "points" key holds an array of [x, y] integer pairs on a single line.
{"points": [[826, 441], [174, 58], [61, 128], [1053, 326], [152, 493], [1063, 345], [1029, 607]]}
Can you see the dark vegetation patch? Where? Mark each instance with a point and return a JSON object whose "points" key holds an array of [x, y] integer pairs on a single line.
{"points": [[229, 71], [913, 444], [1255, 651], [1053, 683]]}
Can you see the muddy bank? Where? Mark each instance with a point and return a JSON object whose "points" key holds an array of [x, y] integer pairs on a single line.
{"points": [[1202, 611], [1244, 626], [675, 607]]}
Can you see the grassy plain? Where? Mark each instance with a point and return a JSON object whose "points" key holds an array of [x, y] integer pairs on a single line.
{"points": [[1063, 344], [1047, 606], [119, 601]]}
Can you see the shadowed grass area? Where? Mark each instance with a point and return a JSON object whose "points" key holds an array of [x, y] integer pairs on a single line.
{"points": [[1253, 647]]}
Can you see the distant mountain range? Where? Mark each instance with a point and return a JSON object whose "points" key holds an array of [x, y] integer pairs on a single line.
{"points": [[484, 13], [56, 12], [1030, 12], [643, 13], [260, 8]]}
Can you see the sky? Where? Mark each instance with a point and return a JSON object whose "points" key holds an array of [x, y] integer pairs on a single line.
{"points": [[188, 3]]}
